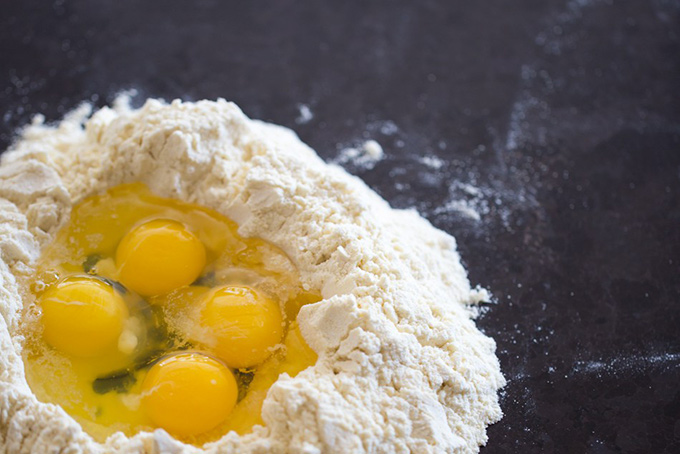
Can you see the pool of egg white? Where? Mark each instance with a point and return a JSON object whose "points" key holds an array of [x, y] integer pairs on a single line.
{"points": [[151, 312]]}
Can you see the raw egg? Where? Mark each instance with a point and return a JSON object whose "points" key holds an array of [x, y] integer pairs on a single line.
{"points": [[189, 393], [82, 316], [159, 256], [155, 313], [241, 325]]}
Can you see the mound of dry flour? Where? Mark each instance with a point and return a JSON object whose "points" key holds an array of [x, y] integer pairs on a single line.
{"points": [[402, 367]]}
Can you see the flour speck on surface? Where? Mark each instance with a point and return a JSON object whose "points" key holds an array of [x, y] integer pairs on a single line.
{"points": [[365, 157], [305, 114], [402, 367], [432, 162]]}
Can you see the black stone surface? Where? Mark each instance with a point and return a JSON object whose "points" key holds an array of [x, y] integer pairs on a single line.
{"points": [[563, 117]]}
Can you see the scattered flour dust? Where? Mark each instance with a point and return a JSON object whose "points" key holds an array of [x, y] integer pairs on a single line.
{"points": [[305, 115], [402, 367], [366, 156], [626, 364]]}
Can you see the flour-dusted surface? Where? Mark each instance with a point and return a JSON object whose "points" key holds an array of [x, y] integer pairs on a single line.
{"points": [[402, 367]]}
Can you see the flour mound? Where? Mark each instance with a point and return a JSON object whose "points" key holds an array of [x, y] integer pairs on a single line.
{"points": [[402, 367]]}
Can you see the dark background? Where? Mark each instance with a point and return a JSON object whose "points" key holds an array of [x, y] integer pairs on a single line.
{"points": [[557, 122]]}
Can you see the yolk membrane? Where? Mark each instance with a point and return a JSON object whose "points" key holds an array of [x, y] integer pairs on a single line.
{"points": [[150, 312], [158, 257], [189, 393], [241, 325], [82, 316]]}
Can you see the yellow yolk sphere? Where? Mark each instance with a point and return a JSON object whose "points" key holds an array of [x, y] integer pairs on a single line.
{"points": [[159, 256], [244, 325], [189, 394], [82, 316]]}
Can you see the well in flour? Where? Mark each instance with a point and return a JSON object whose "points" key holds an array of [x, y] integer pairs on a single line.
{"points": [[401, 366]]}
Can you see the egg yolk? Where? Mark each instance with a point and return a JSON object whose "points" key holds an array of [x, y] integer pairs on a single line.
{"points": [[189, 394], [82, 316], [158, 257], [244, 325]]}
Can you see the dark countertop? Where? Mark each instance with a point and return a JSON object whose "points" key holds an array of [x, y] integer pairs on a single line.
{"points": [[556, 123]]}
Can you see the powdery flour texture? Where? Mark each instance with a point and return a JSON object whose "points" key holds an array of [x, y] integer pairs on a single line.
{"points": [[402, 367]]}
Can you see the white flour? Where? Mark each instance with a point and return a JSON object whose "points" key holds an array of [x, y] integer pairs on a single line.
{"points": [[366, 156], [402, 367], [306, 114]]}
